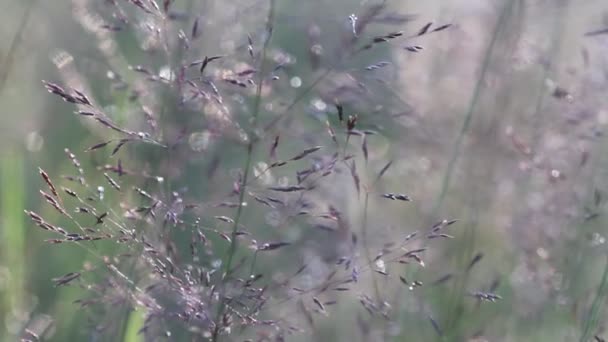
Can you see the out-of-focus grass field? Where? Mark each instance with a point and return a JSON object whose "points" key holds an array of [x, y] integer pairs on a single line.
{"points": [[503, 127]]}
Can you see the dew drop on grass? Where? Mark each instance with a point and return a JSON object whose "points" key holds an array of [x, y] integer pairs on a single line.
{"points": [[597, 239], [199, 141], [319, 105], [263, 174], [166, 73], [34, 141], [295, 82]]}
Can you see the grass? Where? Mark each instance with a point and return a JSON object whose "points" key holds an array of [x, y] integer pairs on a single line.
{"points": [[219, 252], [18, 37], [594, 314]]}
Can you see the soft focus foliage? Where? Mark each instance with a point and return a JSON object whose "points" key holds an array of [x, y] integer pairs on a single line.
{"points": [[299, 170]]}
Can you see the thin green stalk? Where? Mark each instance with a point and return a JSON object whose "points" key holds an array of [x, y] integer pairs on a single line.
{"points": [[458, 291], [132, 320], [17, 39], [594, 313], [368, 255], [134, 323], [455, 301], [472, 106], [250, 147]]}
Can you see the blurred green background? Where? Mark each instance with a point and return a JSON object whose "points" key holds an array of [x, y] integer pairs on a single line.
{"points": [[503, 127]]}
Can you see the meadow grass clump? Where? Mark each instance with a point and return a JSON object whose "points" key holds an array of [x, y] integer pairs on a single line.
{"points": [[231, 182]]}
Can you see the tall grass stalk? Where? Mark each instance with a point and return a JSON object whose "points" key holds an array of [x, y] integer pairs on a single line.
{"points": [[7, 61], [253, 139], [593, 317], [477, 94], [458, 289]]}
